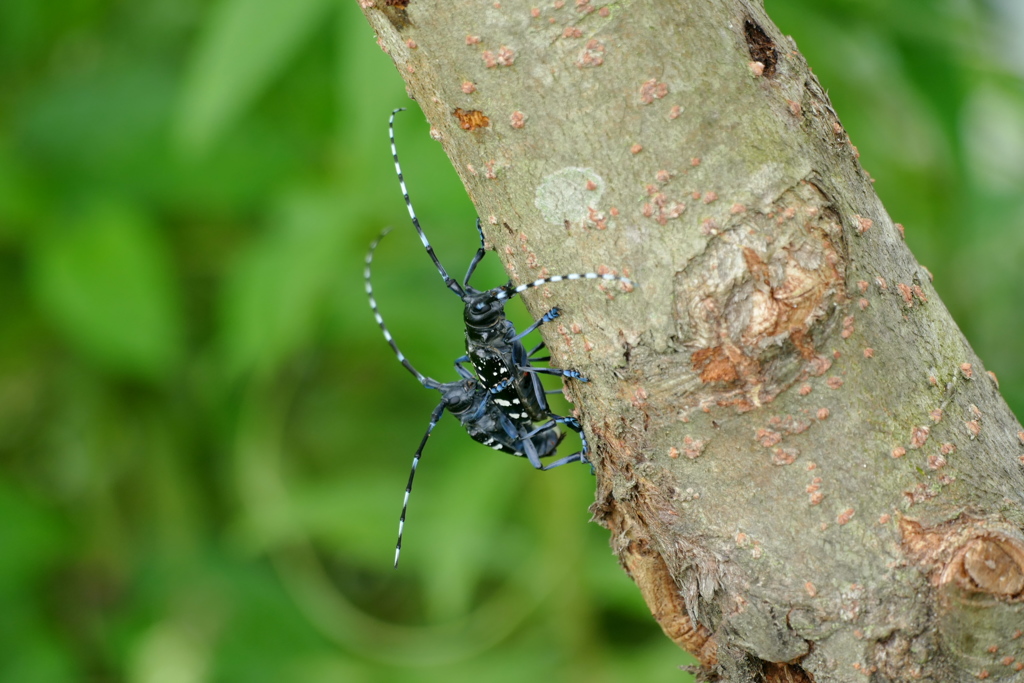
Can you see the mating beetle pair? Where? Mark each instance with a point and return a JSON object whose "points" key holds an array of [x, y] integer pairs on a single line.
{"points": [[502, 404]]}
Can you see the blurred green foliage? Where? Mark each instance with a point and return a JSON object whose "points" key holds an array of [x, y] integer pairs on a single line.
{"points": [[203, 439]]}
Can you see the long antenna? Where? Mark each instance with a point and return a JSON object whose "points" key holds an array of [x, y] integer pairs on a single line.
{"points": [[425, 381], [449, 282], [380, 321], [434, 417], [508, 291]]}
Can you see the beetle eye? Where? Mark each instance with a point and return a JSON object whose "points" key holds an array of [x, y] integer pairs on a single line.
{"points": [[480, 307]]}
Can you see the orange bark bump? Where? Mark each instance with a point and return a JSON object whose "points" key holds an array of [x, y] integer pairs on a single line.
{"points": [[784, 456], [693, 447], [471, 119], [767, 437], [652, 90], [906, 293]]}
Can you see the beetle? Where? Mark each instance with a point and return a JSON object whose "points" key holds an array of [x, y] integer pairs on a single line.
{"points": [[493, 347], [473, 405]]}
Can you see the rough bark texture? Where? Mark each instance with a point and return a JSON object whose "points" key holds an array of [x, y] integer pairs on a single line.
{"points": [[802, 463]]}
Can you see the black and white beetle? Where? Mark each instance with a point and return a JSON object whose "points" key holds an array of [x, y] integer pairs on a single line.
{"points": [[492, 346], [472, 405]]}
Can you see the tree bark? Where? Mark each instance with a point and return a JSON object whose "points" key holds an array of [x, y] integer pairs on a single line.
{"points": [[803, 465]]}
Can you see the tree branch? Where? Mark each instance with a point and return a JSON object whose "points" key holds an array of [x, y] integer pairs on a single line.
{"points": [[802, 463]]}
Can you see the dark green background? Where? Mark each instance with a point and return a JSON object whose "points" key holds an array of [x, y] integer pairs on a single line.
{"points": [[203, 437]]}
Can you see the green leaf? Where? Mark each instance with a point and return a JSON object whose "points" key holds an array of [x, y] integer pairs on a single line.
{"points": [[20, 196], [277, 289], [32, 545], [245, 45], [104, 279]]}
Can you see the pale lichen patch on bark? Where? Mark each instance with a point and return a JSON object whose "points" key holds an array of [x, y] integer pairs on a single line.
{"points": [[569, 195]]}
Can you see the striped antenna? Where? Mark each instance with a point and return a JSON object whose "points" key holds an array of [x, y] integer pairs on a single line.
{"points": [[448, 281], [425, 381], [380, 321], [508, 291], [434, 417]]}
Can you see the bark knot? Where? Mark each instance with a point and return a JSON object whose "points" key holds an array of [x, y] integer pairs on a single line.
{"points": [[968, 553], [746, 305]]}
